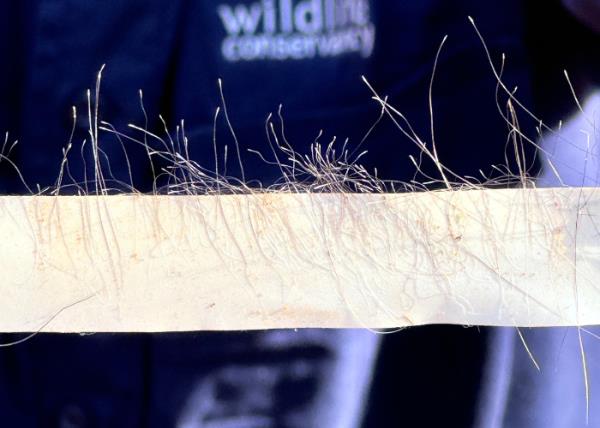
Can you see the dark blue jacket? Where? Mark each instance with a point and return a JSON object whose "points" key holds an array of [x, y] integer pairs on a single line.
{"points": [[306, 55], [176, 51]]}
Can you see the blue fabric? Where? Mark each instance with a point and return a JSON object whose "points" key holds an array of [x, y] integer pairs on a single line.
{"points": [[262, 379], [516, 394], [175, 52]]}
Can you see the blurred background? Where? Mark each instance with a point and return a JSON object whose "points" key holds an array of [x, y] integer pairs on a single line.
{"points": [[307, 56]]}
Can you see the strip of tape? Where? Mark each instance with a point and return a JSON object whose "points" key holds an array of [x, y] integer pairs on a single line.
{"points": [[516, 257]]}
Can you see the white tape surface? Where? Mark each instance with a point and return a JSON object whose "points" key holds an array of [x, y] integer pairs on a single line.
{"points": [[521, 257]]}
